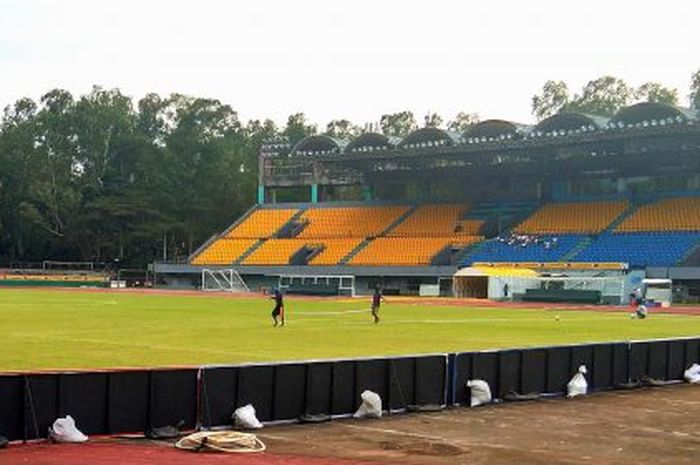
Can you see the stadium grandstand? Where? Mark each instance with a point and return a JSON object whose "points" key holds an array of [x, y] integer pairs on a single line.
{"points": [[574, 192]]}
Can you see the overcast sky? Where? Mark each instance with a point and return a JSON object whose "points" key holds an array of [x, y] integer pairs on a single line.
{"points": [[354, 59]]}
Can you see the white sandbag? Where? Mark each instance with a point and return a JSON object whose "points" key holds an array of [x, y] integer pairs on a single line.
{"points": [[244, 418], [371, 406], [578, 386], [480, 392], [64, 430], [692, 374]]}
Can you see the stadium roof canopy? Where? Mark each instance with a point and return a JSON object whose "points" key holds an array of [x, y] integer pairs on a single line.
{"points": [[318, 144], [648, 111], [430, 137], [492, 128], [372, 141], [570, 121]]}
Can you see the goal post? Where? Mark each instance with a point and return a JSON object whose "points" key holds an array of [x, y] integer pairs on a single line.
{"points": [[223, 280]]}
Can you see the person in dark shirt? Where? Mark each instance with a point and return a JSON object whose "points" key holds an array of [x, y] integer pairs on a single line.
{"points": [[278, 311], [376, 303]]}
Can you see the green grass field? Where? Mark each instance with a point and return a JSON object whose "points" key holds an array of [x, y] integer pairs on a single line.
{"points": [[44, 329]]}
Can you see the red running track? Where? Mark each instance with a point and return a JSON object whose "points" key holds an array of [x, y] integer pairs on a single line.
{"points": [[118, 453]]}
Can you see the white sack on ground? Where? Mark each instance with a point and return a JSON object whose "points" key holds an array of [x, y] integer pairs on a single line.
{"points": [[578, 386], [692, 374], [480, 391], [64, 430], [371, 406], [244, 417]]}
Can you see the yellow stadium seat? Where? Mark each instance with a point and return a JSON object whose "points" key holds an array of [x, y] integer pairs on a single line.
{"points": [[262, 223], [223, 251], [407, 251], [679, 214], [572, 218]]}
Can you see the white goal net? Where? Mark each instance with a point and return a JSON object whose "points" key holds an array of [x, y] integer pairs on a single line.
{"points": [[226, 280]]}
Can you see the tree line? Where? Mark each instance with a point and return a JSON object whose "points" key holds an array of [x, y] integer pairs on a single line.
{"points": [[101, 177]]}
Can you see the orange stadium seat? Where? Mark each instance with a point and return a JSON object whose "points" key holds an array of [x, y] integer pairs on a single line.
{"points": [[680, 214], [407, 251], [572, 218], [262, 223], [334, 250], [345, 222], [223, 251], [275, 252], [432, 220]]}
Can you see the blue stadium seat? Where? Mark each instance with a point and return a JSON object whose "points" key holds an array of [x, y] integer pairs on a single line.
{"points": [[494, 250], [640, 249]]}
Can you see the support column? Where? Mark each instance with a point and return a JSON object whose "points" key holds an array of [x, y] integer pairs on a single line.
{"points": [[261, 194], [314, 193]]}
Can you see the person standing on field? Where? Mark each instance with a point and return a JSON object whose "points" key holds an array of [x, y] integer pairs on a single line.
{"points": [[278, 310], [376, 303]]}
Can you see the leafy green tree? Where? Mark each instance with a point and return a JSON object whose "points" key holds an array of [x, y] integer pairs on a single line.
{"points": [[298, 127], [695, 89], [603, 96], [432, 120], [553, 99], [398, 124], [655, 92], [463, 121], [342, 129]]}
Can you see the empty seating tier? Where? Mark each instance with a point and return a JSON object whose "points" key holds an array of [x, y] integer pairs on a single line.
{"points": [[223, 251], [334, 250], [275, 252], [431, 221], [680, 214], [360, 222], [407, 251], [262, 223], [545, 249], [572, 218], [640, 249]]}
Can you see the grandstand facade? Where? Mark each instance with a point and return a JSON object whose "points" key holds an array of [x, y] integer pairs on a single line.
{"points": [[403, 214]]}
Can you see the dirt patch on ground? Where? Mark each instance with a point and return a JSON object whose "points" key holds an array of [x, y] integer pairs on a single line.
{"points": [[652, 426]]}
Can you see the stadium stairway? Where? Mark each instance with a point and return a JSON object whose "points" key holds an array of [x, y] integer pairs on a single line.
{"points": [[388, 229], [620, 219], [248, 252], [292, 227], [578, 248], [692, 258]]}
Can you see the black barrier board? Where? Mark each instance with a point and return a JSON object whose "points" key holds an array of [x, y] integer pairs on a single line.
{"points": [[558, 369], [462, 373], [485, 367], [12, 407], [41, 404], [343, 398], [128, 401], [692, 352], [402, 382], [319, 384], [290, 392], [602, 376], [620, 363], [582, 355], [218, 395], [676, 359], [83, 396], [533, 372], [430, 380], [638, 360], [173, 398], [256, 387], [509, 372], [372, 375], [658, 360]]}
